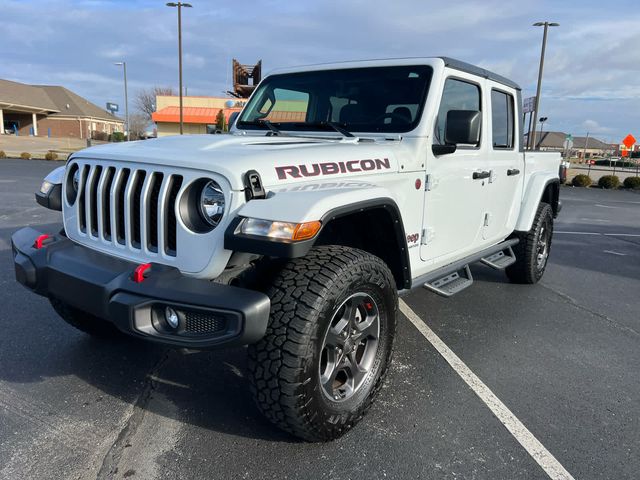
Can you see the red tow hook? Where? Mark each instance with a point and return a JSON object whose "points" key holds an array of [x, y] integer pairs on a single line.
{"points": [[139, 272], [39, 243]]}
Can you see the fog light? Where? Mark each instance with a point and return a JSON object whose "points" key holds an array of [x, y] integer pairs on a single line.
{"points": [[171, 316]]}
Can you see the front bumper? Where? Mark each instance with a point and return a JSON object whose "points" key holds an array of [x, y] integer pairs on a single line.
{"points": [[210, 314]]}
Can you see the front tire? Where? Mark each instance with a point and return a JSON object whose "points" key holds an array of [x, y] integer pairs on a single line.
{"points": [[328, 343], [532, 253]]}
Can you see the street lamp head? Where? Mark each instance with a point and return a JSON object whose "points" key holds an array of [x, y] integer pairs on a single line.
{"points": [[172, 4], [179, 4], [118, 63], [549, 24], [187, 5], [543, 119]]}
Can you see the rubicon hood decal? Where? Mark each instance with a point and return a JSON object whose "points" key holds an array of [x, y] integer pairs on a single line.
{"points": [[332, 168]]}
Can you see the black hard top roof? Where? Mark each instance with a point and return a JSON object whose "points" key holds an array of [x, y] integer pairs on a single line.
{"points": [[481, 72]]}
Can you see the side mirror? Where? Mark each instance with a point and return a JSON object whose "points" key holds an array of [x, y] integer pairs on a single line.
{"points": [[463, 127], [232, 119]]}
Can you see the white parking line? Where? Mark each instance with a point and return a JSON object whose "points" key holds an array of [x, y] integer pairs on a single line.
{"points": [[615, 253], [597, 233], [538, 452]]}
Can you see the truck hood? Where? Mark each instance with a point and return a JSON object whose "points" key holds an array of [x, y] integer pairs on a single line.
{"points": [[279, 160]]}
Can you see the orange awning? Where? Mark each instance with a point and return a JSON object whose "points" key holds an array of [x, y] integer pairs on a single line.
{"points": [[189, 115]]}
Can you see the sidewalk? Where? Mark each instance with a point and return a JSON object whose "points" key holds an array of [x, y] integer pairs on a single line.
{"points": [[38, 146]]}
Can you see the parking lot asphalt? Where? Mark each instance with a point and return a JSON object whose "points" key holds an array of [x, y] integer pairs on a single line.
{"points": [[562, 355]]}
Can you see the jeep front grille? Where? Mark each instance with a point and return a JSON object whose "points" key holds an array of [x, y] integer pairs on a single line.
{"points": [[129, 207]]}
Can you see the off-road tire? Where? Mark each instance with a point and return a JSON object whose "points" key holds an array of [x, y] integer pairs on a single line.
{"points": [[85, 322], [284, 365], [526, 268]]}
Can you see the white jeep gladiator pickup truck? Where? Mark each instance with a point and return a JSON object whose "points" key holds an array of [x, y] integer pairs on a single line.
{"points": [[340, 187]]}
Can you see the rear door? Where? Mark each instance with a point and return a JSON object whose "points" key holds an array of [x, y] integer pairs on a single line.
{"points": [[455, 201], [506, 163]]}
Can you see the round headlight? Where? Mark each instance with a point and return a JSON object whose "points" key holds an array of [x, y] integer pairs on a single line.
{"points": [[212, 203]]}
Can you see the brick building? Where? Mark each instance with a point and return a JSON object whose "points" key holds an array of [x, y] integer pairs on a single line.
{"points": [[45, 110]]}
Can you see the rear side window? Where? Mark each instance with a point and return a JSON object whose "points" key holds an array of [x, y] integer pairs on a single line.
{"points": [[502, 120], [457, 95]]}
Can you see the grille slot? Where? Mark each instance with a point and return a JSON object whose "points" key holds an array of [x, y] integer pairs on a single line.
{"points": [[105, 194], [201, 323], [134, 208], [82, 218], [92, 208], [121, 185], [152, 211], [136, 211], [170, 212]]}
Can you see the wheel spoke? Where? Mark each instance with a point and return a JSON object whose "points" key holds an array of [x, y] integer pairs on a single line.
{"points": [[334, 362], [367, 329], [335, 337], [351, 308], [356, 372]]}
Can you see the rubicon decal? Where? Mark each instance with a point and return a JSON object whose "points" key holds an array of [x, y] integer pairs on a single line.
{"points": [[332, 168]]}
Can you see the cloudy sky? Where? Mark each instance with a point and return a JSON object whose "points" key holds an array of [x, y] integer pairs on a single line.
{"points": [[592, 73]]}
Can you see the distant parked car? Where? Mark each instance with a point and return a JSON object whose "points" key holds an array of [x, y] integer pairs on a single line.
{"points": [[150, 131]]}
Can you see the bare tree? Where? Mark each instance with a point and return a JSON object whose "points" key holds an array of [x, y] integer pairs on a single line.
{"points": [[137, 124], [146, 99]]}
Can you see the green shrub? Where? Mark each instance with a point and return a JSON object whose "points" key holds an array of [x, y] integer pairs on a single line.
{"points": [[25, 155], [581, 180], [51, 155], [2, 154], [609, 181], [117, 137], [632, 183]]}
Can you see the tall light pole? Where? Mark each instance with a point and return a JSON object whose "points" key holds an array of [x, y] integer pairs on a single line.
{"points": [[537, 101], [180, 5], [126, 98]]}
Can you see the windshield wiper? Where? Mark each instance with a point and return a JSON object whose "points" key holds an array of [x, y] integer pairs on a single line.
{"points": [[273, 129], [336, 126]]}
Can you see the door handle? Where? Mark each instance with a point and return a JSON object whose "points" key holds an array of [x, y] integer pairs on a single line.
{"points": [[481, 175], [513, 171]]}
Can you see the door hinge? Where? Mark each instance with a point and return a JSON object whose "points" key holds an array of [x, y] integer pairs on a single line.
{"points": [[428, 234], [430, 182]]}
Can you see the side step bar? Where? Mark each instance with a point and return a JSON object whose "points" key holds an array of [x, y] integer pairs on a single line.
{"points": [[455, 277], [452, 283], [500, 260]]}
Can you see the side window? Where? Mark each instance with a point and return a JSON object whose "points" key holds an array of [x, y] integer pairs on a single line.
{"points": [[286, 106], [502, 120], [457, 95]]}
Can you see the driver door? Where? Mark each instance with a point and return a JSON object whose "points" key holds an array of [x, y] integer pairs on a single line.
{"points": [[455, 200]]}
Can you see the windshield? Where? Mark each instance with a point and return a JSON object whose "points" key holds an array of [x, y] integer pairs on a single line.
{"points": [[376, 99]]}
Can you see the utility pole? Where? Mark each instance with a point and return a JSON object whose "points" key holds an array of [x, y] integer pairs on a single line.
{"points": [[180, 5], [126, 99], [537, 100], [584, 150]]}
